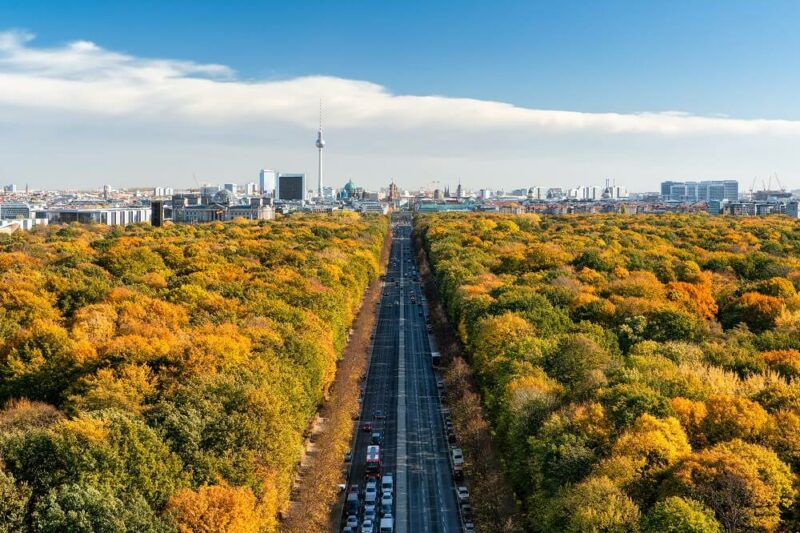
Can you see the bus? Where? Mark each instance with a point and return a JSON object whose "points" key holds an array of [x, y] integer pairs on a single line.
{"points": [[373, 461]]}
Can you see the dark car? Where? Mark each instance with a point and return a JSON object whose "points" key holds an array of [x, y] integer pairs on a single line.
{"points": [[366, 426], [379, 415], [376, 438]]}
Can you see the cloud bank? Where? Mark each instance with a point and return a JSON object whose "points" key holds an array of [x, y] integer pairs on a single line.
{"points": [[210, 118]]}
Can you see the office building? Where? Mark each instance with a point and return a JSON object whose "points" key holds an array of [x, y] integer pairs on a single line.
{"points": [[110, 216], [702, 191], [329, 194], [157, 213], [291, 187], [13, 211], [209, 190], [536, 193], [266, 182]]}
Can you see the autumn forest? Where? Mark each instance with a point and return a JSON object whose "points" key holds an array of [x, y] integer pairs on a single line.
{"points": [[161, 379], [641, 373]]}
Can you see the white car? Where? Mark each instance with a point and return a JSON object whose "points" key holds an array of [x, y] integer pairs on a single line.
{"points": [[387, 499], [368, 526], [463, 494], [352, 521], [371, 493], [387, 484]]}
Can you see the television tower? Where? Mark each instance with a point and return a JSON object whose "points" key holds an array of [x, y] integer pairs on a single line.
{"points": [[320, 145]]}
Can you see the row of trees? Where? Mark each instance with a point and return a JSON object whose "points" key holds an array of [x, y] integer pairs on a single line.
{"points": [[161, 379], [641, 373]]}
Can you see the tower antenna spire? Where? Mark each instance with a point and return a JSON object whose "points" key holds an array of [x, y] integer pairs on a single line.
{"points": [[320, 145]]}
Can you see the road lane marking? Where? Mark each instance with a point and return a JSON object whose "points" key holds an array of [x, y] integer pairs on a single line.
{"points": [[402, 495]]}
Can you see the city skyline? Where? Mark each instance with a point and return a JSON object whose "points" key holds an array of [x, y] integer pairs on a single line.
{"points": [[82, 107]]}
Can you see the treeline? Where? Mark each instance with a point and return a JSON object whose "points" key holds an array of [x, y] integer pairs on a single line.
{"points": [[641, 372], [161, 379]]}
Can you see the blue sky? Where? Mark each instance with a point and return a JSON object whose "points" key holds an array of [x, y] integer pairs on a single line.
{"points": [[589, 87], [738, 58]]}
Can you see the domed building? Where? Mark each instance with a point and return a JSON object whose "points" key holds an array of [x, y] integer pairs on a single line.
{"points": [[348, 190], [224, 197]]}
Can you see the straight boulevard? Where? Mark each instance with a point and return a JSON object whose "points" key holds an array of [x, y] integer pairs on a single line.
{"points": [[400, 401]]}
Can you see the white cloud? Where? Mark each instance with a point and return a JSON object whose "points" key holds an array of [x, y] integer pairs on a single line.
{"points": [[107, 95]]}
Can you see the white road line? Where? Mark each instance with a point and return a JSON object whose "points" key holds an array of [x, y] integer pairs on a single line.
{"points": [[402, 465]]}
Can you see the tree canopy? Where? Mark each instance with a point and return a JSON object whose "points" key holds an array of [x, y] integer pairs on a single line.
{"points": [[640, 372], [161, 379]]}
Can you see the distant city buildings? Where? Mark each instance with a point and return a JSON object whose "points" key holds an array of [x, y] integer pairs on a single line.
{"points": [[196, 209]]}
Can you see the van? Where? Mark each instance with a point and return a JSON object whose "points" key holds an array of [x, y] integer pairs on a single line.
{"points": [[387, 525]]}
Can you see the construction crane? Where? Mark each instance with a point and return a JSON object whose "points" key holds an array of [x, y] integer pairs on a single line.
{"points": [[780, 185]]}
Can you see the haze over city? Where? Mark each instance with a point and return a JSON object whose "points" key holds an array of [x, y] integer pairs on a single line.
{"points": [[508, 95]]}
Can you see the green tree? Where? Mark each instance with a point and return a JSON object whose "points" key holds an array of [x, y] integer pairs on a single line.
{"points": [[595, 505], [13, 501], [579, 363], [680, 515], [746, 485]]}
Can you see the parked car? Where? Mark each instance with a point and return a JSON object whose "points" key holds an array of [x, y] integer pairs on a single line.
{"points": [[463, 494], [466, 512], [348, 456]]}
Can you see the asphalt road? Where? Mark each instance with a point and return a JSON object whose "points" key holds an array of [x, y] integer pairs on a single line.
{"points": [[402, 385]]}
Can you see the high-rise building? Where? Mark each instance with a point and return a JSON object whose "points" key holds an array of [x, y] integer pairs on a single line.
{"points": [[266, 182], [394, 193], [536, 193], [229, 187], [157, 213], [291, 187], [250, 188]]}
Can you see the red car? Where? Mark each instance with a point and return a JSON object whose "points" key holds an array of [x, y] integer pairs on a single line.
{"points": [[366, 426]]}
